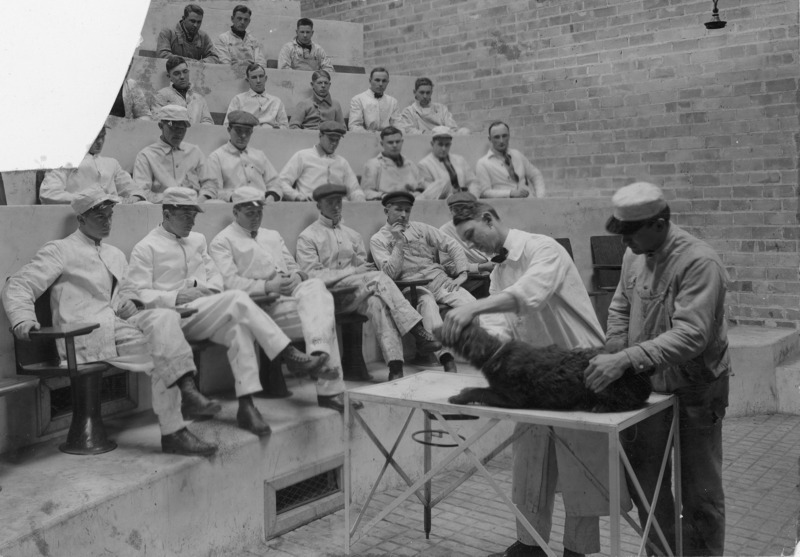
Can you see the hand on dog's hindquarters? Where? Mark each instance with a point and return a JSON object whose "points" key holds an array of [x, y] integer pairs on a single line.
{"points": [[454, 322], [603, 370]]}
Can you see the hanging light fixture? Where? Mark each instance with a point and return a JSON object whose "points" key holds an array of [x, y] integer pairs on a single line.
{"points": [[715, 22]]}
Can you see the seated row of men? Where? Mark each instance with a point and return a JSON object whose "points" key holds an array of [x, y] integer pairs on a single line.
{"points": [[174, 267], [171, 162], [371, 110]]}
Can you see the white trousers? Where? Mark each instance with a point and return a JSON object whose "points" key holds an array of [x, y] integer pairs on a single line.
{"points": [[233, 320], [308, 314], [388, 311], [429, 297], [157, 333]]}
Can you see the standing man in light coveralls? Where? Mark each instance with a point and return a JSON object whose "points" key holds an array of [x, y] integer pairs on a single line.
{"points": [[171, 267], [86, 281], [537, 296], [335, 253], [257, 261]]}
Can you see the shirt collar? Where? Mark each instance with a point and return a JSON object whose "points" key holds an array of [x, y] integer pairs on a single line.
{"points": [[322, 153], [383, 157], [328, 223], [252, 93], [87, 240], [166, 234], [515, 243], [242, 230], [495, 154], [233, 150]]}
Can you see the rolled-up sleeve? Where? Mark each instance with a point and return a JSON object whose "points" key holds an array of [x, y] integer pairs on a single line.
{"points": [[540, 281]]}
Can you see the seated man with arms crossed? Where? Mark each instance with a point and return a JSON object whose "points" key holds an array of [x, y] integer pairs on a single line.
{"points": [[171, 267], [308, 114], [187, 39], [61, 185], [170, 162], [390, 171], [256, 260], [267, 108], [235, 164], [505, 172], [301, 53], [310, 168], [444, 173], [409, 251], [180, 93], [87, 281], [236, 46], [335, 253], [423, 115]]}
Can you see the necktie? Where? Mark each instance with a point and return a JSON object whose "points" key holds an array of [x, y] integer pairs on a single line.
{"points": [[377, 95], [452, 172], [510, 168], [253, 234], [500, 257]]}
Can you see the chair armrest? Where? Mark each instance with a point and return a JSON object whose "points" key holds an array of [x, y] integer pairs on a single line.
{"points": [[478, 276], [607, 267], [66, 331], [265, 299], [185, 312], [407, 283]]}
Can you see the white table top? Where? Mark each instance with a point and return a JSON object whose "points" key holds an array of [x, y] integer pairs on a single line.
{"points": [[429, 390]]}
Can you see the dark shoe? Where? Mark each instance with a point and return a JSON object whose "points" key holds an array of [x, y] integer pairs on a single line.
{"points": [[395, 370], [358, 374], [186, 443], [570, 553], [426, 342], [519, 549], [336, 402], [449, 363], [248, 417], [194, 405], [301, 364]]}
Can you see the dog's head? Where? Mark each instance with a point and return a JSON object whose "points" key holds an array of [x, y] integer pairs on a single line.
{"points": [[474, 344]]}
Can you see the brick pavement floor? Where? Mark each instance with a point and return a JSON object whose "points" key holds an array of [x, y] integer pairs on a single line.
{"points": [[760, 474]]}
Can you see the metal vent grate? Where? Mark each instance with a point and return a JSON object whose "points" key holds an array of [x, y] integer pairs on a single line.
{"points": [[112, 387], [306, 491]]}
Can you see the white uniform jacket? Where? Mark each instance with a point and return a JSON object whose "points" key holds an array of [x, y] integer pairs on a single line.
{"points": [[246, 263], [163, 264], [86, 286]]}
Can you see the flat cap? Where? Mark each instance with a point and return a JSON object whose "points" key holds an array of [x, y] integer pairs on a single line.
{"points": [[460, 197], [441, 131], [242, 118], [181, 197], [90, 198], [173, 113], [397, 197], [248, 195], [634, 204], [332, 127], [327, 190]]}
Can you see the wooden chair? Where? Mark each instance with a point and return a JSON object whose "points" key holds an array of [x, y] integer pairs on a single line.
{"points": [[567, 245], [39, 357], [607, 252]]}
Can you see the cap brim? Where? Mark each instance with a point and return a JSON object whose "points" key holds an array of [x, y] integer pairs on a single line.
{"points": [[616, 226]]}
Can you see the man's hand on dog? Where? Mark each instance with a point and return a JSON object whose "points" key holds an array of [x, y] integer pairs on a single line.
{"points": [[602, 370], [454, 322]]}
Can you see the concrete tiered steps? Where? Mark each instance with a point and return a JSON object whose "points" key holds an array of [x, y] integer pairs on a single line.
{"points": [[138, 501], [273, 23]]}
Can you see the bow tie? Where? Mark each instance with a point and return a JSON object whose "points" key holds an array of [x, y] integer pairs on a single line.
{"points": [[377, 95], [500, 257]]}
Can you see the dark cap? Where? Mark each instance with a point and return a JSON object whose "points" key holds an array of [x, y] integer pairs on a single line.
{"points": [[242, 118], [460, 197], [327, 190], [397, 197], [332, 127]]}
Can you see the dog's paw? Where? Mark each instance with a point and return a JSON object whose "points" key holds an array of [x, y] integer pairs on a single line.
{"points": [[457, 399]]}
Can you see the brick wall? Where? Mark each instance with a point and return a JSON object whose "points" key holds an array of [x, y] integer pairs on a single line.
{"points": [[602, 92]]}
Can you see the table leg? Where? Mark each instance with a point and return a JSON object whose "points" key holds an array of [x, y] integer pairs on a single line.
{"points": [[346, 472], [614, 487], [676, 481], [426, 461]]}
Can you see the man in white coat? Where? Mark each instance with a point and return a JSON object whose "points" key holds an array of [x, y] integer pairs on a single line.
{"points": [[171, 267], [373, 110], [538, 296], [443, 172], [257, 261], [86, 281]]}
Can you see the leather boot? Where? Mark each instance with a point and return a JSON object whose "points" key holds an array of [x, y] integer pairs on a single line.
{"points": [[301, 364], [194, 405], [570, 553], [426, 342], [519, 549], [448, 362], [395, 370], [248, 417], [186, 443], [336, 402]]}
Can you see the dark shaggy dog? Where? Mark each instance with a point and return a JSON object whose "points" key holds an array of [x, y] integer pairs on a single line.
{"points": [[551, 378]]}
